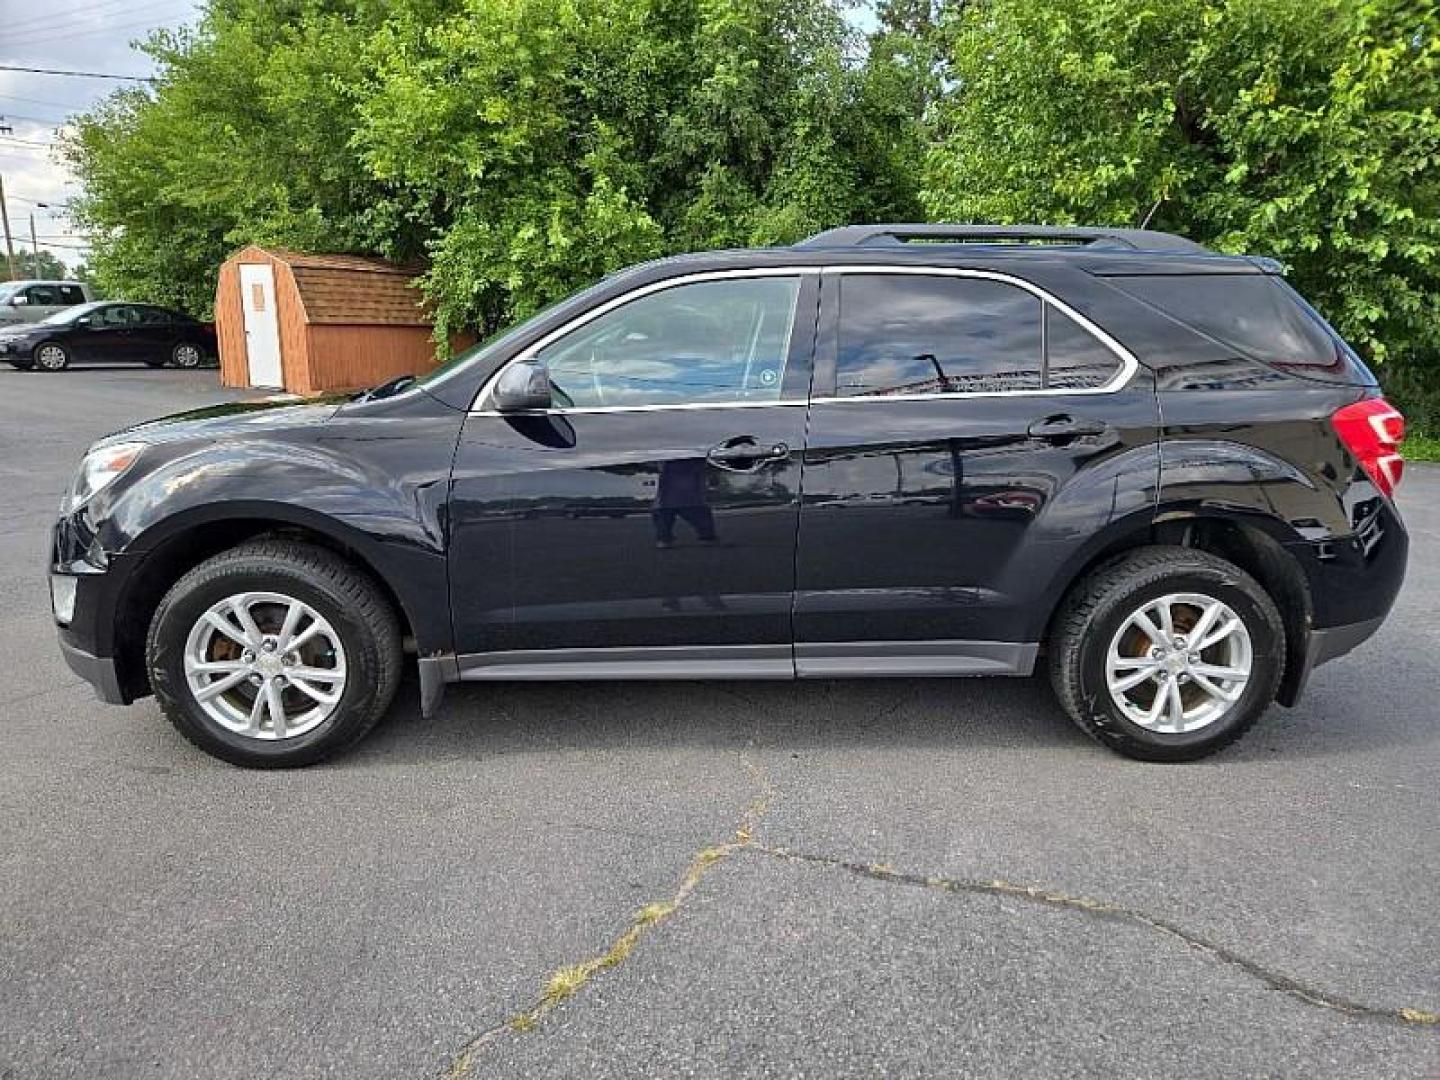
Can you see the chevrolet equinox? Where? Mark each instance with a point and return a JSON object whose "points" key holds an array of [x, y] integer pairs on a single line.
{"points": [[1153, 471]]}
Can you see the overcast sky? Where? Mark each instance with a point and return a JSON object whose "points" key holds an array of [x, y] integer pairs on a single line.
{"points": [[76, 35]]}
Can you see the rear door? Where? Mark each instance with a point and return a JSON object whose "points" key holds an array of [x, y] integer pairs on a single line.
{"points": [[646, 524], [154, 334], [970, 435]]}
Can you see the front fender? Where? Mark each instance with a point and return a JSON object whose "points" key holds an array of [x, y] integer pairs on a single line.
{"points": [[374, 488]]}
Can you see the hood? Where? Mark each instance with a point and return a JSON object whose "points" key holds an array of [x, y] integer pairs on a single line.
{"points": [[231, 418]]}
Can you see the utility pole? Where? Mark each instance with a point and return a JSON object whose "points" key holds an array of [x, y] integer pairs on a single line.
{"points": [[34, 246], [9, 244]]}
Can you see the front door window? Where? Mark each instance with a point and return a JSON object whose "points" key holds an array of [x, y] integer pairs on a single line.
{"points": [[708, 342]]}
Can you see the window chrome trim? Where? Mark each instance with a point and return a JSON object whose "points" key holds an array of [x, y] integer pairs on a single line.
{"points": [[1128, 362], [528, 354]]}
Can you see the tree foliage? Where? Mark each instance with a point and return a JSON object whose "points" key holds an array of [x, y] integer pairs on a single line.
{"points": [[1309, 131], [41, 264], [519, 148]]}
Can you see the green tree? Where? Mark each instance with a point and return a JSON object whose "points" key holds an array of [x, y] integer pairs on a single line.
{"points": [[1309, 131], [542, 143], [244, 139], [43, 265], [518, 148]]}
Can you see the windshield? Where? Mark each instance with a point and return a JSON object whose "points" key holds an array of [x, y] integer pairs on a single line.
{"points": [[69, 315]]}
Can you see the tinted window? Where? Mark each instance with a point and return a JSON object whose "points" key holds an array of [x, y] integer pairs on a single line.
{"points": [[711, 341], [71, 294], [117, 315], [47, 295], [1257, 315], [1075, 358], [911, 334], [150, 316]]}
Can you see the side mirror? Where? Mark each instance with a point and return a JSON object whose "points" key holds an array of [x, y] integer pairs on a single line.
{"points": [[84, 320], [523, 388], [19, 300]]}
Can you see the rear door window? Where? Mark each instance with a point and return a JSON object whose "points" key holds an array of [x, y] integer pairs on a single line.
{"points": [[906, 334], [902, 335]]}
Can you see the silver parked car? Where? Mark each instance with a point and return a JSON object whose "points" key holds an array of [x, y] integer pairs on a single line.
{"points": [[31, 301]]}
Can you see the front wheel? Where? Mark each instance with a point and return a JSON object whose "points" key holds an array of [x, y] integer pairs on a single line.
{"points": [[274, 654], [1167, 654], [52, 356]]}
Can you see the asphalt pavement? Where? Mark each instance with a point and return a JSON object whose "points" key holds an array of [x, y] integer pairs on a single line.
{"points": [[903, 878]]}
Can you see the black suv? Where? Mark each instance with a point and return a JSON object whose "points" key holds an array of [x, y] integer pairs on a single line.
{"points": [[888, 451]]}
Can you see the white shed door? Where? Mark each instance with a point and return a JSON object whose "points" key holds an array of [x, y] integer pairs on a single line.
{"points": [[262, 327]]}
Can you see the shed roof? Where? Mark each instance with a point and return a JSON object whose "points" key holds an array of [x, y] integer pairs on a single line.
{"points": [[354, 290]]}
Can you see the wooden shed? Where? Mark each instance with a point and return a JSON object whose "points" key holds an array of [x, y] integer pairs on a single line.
{"points": [[312, 323]]}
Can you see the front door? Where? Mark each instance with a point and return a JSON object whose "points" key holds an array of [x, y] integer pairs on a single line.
{"points": [[109, 335], [646, 524], [967, 438], [262, 328]]}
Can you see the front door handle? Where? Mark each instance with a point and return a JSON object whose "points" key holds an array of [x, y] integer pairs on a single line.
{"points": [[1065, 426], [745, 452]]}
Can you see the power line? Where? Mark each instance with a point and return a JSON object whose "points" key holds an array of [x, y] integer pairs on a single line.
{"points": [[78, 74], [67, 16], [42, 101], [70, 35]]}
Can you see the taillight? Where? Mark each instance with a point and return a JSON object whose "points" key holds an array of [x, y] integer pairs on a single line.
{"points": [[1372, 430]]}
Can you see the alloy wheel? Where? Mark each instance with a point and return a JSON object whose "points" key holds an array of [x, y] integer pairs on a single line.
{"points": [[50, 358], [1179, 663], [265, 665]]}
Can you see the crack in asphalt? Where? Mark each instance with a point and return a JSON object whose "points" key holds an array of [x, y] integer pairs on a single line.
{"points": [[568, 981], [1055, 898]]}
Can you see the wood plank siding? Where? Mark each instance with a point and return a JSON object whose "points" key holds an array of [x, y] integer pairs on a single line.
{"points": [[345, 321]]}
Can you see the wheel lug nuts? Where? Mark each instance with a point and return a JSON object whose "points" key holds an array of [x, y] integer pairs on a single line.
{"points": [[1157, 653]]}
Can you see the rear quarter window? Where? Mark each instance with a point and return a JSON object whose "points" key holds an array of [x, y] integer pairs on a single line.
{"points": [[1259, 316]]}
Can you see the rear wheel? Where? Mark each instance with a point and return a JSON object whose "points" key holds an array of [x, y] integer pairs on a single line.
{"points": [[1167, 654], [51, 356], [187, 355], [274, 654]]}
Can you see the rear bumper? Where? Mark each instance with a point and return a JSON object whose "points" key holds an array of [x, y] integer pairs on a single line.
{"points": [[1335, 641], [99, 671]]}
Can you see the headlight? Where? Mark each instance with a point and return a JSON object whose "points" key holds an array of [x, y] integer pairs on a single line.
{"points": [[98, 470]]}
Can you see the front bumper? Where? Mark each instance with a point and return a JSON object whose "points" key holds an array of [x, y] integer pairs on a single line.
{"points": [[99, 671], [16, 350]]}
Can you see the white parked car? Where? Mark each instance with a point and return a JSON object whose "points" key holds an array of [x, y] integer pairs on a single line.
{"points": [[31, 301]]}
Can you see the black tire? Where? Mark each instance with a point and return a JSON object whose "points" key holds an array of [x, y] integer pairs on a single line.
{"points": [[348, 598], [1098, 606], [187, 355], [50, 356]]}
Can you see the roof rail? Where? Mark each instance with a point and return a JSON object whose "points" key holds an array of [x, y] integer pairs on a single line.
{"points": [[1094, 235]]}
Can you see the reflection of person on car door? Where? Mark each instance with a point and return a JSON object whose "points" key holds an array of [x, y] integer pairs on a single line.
{"points": [[680, 493]]}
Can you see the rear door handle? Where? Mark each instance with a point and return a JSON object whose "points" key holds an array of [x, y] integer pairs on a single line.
{"points": [[1065, 426], [745, 452]]}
